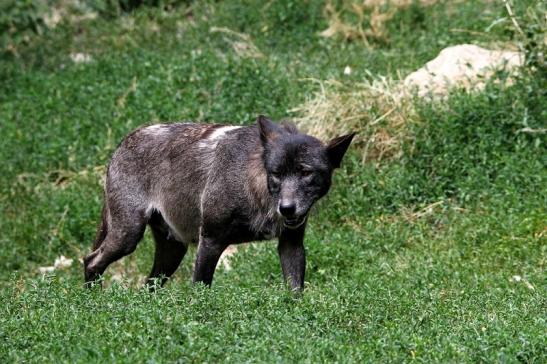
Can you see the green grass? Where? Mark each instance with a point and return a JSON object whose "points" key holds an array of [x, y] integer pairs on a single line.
{"points": [[411, 259]]}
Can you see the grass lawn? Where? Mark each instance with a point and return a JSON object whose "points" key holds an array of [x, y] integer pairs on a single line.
{"points": [[435, 254]]}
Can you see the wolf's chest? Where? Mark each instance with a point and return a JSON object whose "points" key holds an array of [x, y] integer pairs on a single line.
{"points": [[268, 232], [254, 229], [265, 225]]}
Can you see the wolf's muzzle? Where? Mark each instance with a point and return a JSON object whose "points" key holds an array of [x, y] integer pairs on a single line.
{"points": [[295, 222]]}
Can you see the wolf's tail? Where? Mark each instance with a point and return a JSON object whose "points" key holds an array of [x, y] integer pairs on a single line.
{"points": [[102, 229]]}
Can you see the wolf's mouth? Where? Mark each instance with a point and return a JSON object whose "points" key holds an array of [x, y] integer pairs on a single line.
{"points": [[295, 222]]}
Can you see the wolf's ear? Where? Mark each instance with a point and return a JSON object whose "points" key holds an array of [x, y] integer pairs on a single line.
{"points": [[337, 148], [269, 131]]}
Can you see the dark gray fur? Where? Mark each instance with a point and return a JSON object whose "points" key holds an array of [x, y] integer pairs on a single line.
{"points": [[213, 185]]}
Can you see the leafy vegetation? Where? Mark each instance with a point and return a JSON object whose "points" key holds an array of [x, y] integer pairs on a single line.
{"points": [[436, 254]]}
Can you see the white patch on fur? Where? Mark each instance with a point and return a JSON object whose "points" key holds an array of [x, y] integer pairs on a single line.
{"points": [[217, 135], [155, 130]]}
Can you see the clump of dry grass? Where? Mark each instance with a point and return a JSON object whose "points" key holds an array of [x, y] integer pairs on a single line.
{"points": [[241, 43], [377, 110], [365, 20], [59, 178]]}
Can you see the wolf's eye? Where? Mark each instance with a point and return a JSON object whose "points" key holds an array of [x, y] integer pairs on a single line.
{"points": [[306, 173]]}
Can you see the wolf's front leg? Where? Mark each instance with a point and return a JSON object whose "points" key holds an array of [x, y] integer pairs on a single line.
{"points": [[293, 257], [209, 252]]}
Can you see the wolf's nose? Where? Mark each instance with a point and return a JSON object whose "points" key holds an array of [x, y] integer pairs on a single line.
{"points": [[287, 209]]}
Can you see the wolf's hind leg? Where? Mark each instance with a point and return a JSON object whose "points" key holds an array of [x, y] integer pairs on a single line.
{"points": [[122, 236], [101, 229], [169, 253]]}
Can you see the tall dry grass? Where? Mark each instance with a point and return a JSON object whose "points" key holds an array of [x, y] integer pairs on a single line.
{"points": [[377, 110], [363, 20]]}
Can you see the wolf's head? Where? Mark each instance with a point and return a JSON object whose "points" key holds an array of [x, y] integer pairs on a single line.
{"points": [[299, 168]]}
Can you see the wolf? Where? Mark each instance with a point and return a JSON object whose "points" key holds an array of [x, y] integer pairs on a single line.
{"points": [[213, 185]]}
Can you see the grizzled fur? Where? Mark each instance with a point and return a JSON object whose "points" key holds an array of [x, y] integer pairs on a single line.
{"points": [[214, 185]]}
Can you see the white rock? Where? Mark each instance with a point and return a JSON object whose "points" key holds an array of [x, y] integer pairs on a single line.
{"points": [[226, 255], [45, 270], [60, 263], [516, 278], [464, 65], [80, 57]]}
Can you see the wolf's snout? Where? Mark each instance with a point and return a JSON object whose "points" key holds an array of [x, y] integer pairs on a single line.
{"points": [[287, 209]]}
